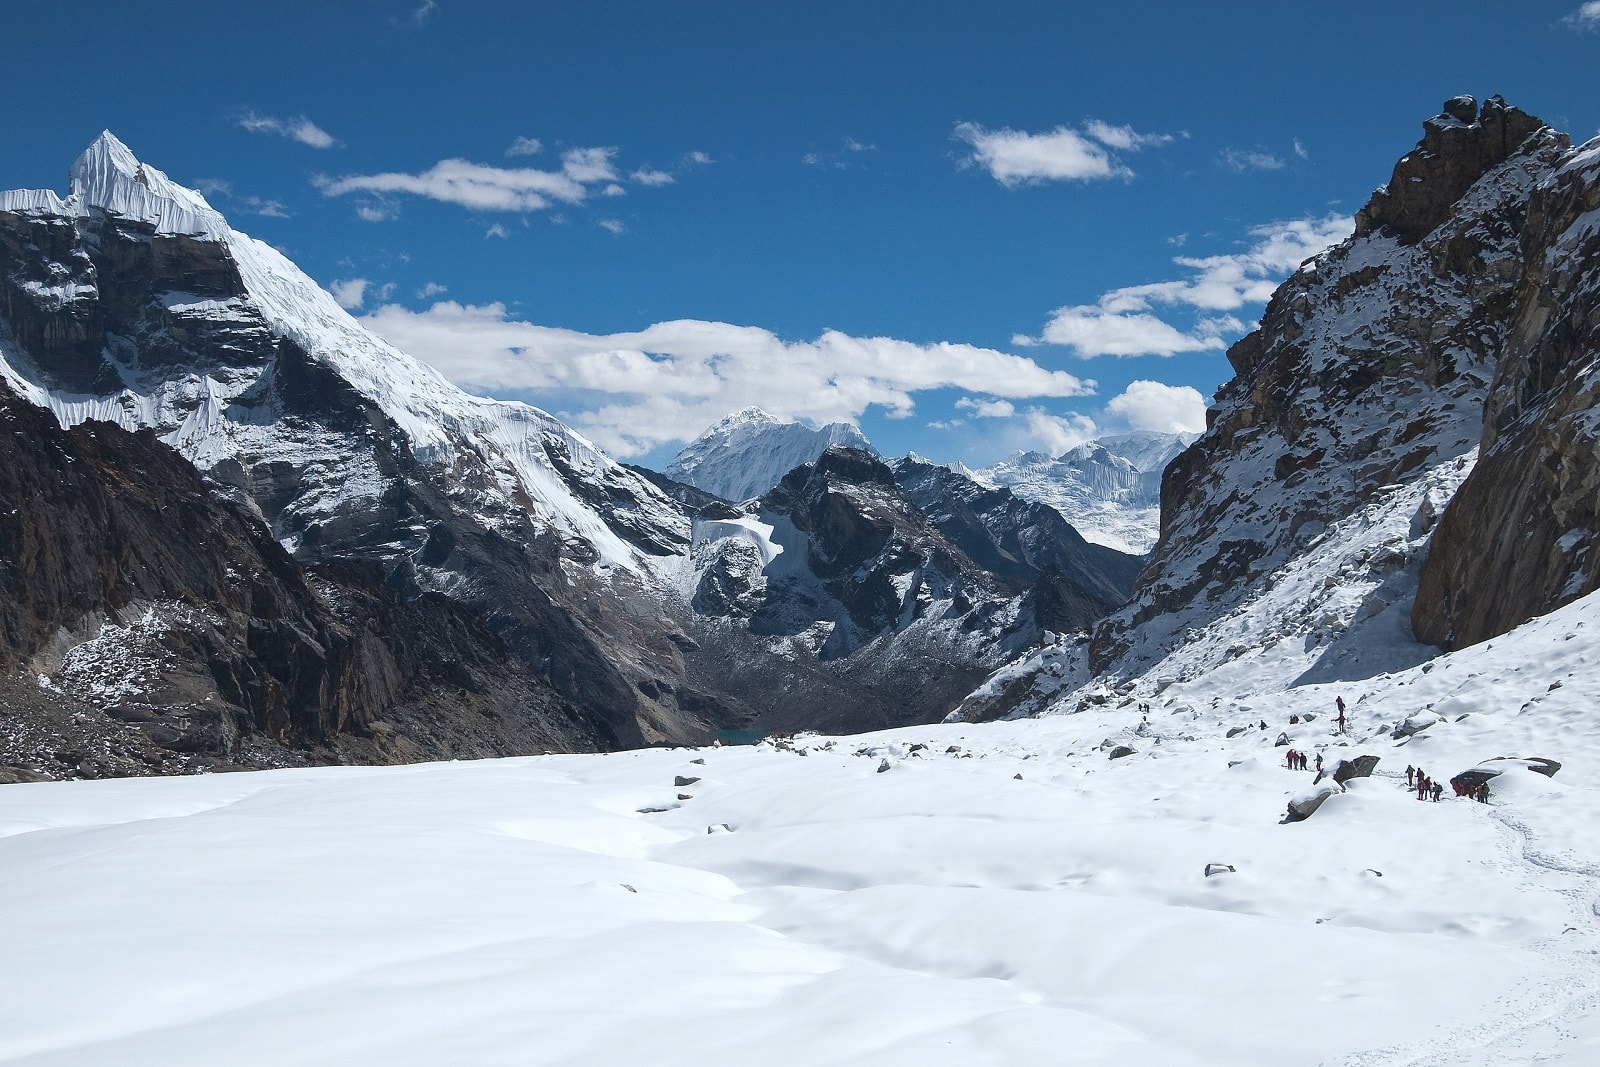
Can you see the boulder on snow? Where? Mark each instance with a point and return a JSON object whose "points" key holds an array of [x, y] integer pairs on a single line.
{"points": [[1122, 750], [1360, 767], [1237, 730], [1283, 739], [883, 765], [1473, 777], [1303, 805], [1416, 723], [680, 781], [1219, 868]]}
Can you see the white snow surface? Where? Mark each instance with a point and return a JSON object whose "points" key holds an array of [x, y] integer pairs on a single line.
{"points": [[799, 907], [749, 452], [193, 412], [1108, 489]]}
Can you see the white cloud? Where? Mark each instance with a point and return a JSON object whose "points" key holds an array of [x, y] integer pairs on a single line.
{"points": [[1123, 322], [647, 176], [588, 165], [375, 211], [1300, 150], [430, 290], [423, 10], [299, 129], [351, 293], [1586, 17], [1241, 160], [669, 381], [497, 230], [612, 225], [484, 188], [1147, 405], [1056, 434], [1124, 137], [525, 146], [987, 409], [1013, 157], [853, 145], [698, 159]]}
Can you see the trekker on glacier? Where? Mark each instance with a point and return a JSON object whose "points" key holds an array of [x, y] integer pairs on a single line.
{"points": [[1339, 702]]}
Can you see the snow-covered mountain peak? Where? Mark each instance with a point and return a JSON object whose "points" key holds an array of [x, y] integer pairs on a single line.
{"points": [[208, 401], [748, 452], [108, 177]]}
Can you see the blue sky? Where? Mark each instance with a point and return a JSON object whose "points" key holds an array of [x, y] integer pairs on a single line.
{"points": [[971, 227]]}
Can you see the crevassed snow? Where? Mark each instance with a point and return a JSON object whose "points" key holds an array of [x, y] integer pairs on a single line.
{"points": [[1001, 894]]}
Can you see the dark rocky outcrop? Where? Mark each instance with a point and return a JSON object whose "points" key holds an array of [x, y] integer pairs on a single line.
{"points": [[1522, 535], [1360, 767], [1458, 147], [1368, 371], [1073, 583], [147, 626]]}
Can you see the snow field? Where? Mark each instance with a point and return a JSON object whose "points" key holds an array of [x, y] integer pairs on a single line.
{"points": [[941, 912]]}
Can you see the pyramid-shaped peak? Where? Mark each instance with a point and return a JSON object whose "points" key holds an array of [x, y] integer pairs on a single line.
{"points": [[110, 177]]}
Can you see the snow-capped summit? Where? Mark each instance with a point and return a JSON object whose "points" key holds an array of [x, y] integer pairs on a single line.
{"points": [[1110, 488], [749, 452], [207, 399]]}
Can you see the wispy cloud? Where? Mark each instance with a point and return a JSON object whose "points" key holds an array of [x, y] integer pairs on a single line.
{"points": [[1240, 160], [431, 289], [485, 188], [238, 202], [424, 11], [647, 176], [612, 226], [299, 129], [525, 146], [1586, 17], [1125, 322], [842, 158], [635, 391], [698, 158]]}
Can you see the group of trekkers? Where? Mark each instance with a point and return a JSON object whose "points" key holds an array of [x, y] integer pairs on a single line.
{"points": [[1297, 761], [1428, 789]]}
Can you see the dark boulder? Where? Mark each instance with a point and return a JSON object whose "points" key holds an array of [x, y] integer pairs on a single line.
{"points": [[1360, 767]]}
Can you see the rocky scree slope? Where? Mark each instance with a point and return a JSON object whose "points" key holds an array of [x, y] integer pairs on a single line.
{"points": [[1458, 314]]}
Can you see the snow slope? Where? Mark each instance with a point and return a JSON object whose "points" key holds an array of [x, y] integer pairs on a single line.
{"points": [[750, 451], [1023, 899]]}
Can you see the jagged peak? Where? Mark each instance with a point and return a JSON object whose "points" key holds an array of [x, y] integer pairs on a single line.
{"points": [[109, 177], [1459, 145]]}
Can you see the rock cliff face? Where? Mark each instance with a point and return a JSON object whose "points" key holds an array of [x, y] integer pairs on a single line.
{"points": [[163, 629], [1522, 536], [1370, 369]]}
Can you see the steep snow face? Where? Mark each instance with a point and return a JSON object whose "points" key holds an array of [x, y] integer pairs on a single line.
{"points": [[750, 451], [1109, 489], [516, 459]]}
